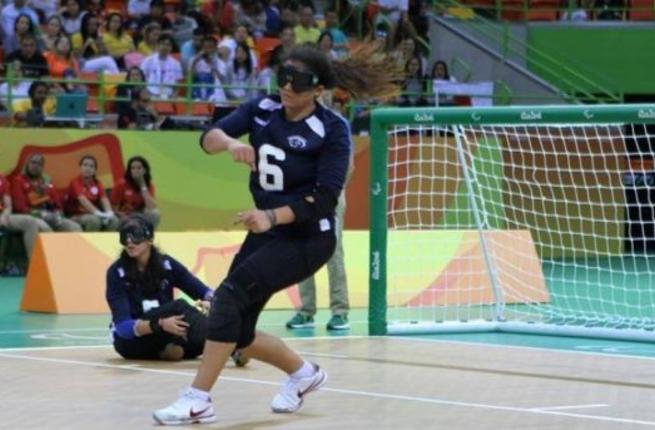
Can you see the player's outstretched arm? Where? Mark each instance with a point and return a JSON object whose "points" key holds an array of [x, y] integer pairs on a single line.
{"points": [[216, 141]]}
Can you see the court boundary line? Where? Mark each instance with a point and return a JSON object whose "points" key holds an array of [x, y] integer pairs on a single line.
{"points": [[362, 393], [403, 338]]}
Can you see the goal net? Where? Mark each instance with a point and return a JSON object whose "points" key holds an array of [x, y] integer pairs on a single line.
{"points": [[528, 219]]}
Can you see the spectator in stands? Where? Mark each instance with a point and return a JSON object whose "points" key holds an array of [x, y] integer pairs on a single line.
{"points": [[251, 14], [139, 114], [147, 322], [125, 90], [32, 111], [162, 70], [405, 51], [392, 11], [72, 15], [306, 30], [34, 64], [287, 42], [34, 194], [151, 34], [227, 47], [241, 87], [191, 47], [62, 58], [417, 13], [273, 18], [135, 193], [440, 73], [97, 7], [71, 84], [288, 16], [10, 13], [266, 83], [382, 34], [89, 47], [413, 85], [117, 41], [207, 68], [18, 86], [338, 37], [45, 9], [326, 44], [136, 9], [610, 10], [156, 14], [22, 27], [53, 29], [86, 201], [28, 225], [221, 13]]}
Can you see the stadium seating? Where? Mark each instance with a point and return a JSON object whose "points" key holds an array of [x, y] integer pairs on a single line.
{"points": [[641, 10]]}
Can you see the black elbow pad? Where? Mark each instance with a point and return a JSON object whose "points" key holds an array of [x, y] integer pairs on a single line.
{"points": [[202, 138], [315, 206]]}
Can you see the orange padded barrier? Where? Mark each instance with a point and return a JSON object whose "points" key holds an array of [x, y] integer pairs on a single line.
{"points": [[66, 275]]}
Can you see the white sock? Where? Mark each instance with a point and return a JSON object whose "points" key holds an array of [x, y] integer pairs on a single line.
{"points": [[305, 371], [203, 395]]}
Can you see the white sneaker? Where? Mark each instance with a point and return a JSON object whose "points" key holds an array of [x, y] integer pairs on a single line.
{"points": [[293, 391], [187, 409]]}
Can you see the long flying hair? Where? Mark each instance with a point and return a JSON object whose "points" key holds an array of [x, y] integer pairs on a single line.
{"points": [[367, 71]]}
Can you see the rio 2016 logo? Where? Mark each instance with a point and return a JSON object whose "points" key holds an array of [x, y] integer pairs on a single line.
{"points": [[423, 117], [530, 115], [646, 114]]}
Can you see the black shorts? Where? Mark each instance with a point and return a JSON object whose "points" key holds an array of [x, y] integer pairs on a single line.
{"points": [[149, 346], [278, 262]]}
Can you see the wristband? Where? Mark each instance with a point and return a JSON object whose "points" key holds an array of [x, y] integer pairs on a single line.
{"points": [[272, 218], [155, 326]]}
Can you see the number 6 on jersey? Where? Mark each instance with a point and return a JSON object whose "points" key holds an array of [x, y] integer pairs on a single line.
{"points": [[271, 177]]}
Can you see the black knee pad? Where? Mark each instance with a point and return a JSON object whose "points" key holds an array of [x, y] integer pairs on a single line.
{"points": [[225, 316]]}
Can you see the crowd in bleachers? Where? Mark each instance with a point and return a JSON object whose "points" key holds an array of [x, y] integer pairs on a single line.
{"points": [[216, 52]]}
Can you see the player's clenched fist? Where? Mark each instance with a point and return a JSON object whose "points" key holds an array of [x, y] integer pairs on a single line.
{"points": [[242, 153], [255, 220]]}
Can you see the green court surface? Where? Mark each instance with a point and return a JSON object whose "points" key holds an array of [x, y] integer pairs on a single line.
{"points": [[35, 330]]}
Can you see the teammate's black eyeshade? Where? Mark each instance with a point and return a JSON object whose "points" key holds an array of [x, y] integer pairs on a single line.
{"points": [[135, 230]]}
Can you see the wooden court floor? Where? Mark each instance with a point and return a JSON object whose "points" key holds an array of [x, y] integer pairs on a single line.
{"points": [[374, 383]]}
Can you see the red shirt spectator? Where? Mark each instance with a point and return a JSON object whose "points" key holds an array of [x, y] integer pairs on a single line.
{"points": [[4, 190], [222, 13], [34, 194], [126, 198], [94, 192]]}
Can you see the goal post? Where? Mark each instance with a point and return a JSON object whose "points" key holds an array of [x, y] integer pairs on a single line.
{"points": [[513, 219]]}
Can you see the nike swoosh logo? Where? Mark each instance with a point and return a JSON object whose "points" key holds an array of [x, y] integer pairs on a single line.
{"points": [[196, 414]]}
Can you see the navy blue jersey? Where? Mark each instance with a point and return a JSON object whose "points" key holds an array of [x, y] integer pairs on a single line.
{"points": [[128, 302], [292, 157]]}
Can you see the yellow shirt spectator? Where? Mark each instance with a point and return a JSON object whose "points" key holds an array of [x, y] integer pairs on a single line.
{"points": [[144, 49], [21, 106], [304, 35], [118, 46], [91, 50]]}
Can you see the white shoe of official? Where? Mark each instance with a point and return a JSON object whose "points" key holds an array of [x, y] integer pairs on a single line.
{"points": [[293, 391], [187, 409]]}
